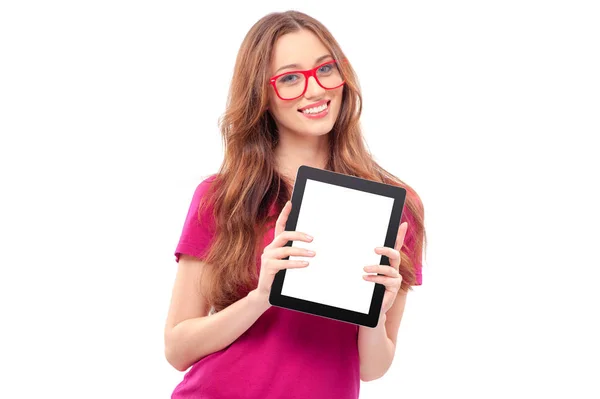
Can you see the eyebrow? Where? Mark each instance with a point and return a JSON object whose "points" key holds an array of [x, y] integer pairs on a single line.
{"points": [[321, 58]]}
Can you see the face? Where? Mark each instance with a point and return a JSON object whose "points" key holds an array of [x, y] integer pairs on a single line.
{"points": [[304, 51]]}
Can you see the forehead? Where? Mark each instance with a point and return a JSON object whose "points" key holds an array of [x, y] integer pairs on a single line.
{"points": [[302, 48]]}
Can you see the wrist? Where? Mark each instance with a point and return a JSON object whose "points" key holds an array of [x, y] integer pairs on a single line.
{"points": [[259, 300]]}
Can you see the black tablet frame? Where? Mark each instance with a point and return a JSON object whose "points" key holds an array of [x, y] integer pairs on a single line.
{"points": [[397, 193]]}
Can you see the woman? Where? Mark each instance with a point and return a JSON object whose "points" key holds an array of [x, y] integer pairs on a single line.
{"points": [[294, 100]]}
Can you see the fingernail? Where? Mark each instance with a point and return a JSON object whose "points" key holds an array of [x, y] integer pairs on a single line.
{"points": [[308, 237]]}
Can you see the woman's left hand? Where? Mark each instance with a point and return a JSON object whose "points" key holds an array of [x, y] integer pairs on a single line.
{"points": [[391, 277]]}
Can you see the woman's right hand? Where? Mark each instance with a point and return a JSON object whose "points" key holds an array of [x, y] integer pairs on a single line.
{"points": [[272, 258]]}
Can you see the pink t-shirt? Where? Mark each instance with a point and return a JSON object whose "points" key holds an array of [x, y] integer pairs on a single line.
{"points": [[284, 354]]}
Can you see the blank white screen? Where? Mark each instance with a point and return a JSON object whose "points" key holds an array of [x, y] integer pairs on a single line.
{"points": [[347, 225]]}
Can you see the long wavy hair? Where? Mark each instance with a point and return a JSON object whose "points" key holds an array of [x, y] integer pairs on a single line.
{"points": [[248, 184]]}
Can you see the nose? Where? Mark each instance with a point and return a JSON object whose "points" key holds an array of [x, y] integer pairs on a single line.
{"points": [[313, 89]]}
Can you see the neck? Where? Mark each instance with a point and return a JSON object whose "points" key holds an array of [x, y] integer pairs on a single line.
{"points": [[293, 151]]}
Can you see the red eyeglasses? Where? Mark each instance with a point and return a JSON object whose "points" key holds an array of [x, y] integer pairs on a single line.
{"points": [[292, 85]]}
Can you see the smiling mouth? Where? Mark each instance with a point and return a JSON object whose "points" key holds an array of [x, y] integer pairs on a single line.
{"points": [[316, 110]]}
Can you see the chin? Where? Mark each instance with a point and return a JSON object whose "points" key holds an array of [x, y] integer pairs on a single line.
{"points": [[318, 128], [321, 132]]}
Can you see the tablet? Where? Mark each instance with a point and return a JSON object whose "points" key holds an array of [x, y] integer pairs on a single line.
{"points": [[348, 217]]}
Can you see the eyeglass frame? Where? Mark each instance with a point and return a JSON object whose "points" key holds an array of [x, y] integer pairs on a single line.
{"points": [[307, 74]]}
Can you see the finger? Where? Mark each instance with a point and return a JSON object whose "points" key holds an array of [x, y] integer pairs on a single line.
{"points": [[401, 235], [283, 238], [275, 265], [283, 252], [391, 253], [393, 284], [282, 219], [383, 269]]}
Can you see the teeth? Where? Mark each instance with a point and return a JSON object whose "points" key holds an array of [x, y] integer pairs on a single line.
{"points": [[315, 110]]}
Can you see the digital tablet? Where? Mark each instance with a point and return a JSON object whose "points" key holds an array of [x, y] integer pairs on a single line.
{"points": [[348, 217]]}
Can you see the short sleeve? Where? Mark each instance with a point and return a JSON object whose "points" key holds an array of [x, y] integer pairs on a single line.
{"points": [[196, 235], [410, 242]]}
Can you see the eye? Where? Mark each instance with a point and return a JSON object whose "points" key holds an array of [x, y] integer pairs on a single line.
{"points": [[288, 79], [326, 68]]}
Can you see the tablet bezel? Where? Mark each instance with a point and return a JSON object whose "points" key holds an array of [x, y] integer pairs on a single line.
{"points": [[319, 309]]}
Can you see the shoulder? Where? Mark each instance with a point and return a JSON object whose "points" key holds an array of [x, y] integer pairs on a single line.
{"points": [[201, 205], [414, 197], [203, 187], [206, 182], [413, 204]]}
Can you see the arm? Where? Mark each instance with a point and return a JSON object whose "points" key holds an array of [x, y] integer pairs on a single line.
{"points": [[377, 346], [190, 333]]}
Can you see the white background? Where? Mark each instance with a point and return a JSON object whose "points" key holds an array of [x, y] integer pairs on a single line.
{"points": [[108, 121]]}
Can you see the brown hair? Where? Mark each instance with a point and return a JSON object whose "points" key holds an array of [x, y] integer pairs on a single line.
{"points": [[247, 183]]}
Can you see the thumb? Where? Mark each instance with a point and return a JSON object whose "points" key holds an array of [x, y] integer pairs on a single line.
{"points": [[282, 219]]}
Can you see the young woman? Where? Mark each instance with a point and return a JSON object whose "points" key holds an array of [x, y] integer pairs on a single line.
{"points": [[294, 100]]}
